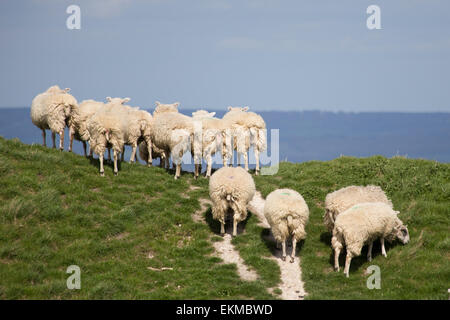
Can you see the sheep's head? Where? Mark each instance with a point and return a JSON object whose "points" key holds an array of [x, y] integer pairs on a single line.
{"points": [[117, 100], [242, 109], [161, 108], [402, 234]]}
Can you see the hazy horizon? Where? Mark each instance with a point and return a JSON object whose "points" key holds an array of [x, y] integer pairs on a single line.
{"points": [[269, 55]]}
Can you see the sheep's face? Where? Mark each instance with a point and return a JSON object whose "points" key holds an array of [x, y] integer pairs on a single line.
{"points": [[161, 108], [402, 234]]}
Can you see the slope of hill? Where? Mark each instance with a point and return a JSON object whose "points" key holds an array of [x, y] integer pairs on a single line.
{"points": [[56, 211]]}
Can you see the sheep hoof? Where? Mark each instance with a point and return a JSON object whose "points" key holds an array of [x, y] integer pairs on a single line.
{"points": [[292, 260], [283, 258], [336, 269], [116, 173], [102, 174], [346, 275], [257, 173]]}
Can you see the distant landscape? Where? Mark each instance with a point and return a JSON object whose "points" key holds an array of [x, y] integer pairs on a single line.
{"points": [[312, 135]]}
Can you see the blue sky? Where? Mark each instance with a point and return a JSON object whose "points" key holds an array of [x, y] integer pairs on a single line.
{"points": [[267, 54]]}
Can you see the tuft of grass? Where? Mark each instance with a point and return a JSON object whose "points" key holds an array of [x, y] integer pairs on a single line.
{"points": [[56, 211]]}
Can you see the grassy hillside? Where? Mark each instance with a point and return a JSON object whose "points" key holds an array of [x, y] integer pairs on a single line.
{"points": [[56, 211]]}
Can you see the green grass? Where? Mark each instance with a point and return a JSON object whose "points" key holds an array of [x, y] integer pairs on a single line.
{"points": [[56, 211]]}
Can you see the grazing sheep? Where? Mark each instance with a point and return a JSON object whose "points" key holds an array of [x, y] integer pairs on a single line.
{"points": [[342, 199], [230, 188], [156, 153], [54, 109], [105, 131], [287, 214], [363, 224], [249, 125], [172, 132], [213, 137]]}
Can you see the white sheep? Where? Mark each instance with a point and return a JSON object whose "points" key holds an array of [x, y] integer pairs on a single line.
{"points": [[54, 109], [87, 109], [287, 214], [172, 132], [342, 199], [105, 131], [363, 224], [212, 138], [250, 130], [230, 188]]}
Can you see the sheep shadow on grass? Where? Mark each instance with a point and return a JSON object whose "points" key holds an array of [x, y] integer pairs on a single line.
{"points": [[271, 244], [357, 262], [214, 225]]}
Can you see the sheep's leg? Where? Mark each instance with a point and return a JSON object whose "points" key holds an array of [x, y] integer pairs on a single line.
{"points": [[54, 140], [61, 140], [178, 170], [294, 244], [348, 260], [283, 246], [337, 252], [257, 161], [133, 152], [116, 171], [222, 228], [369, 251], [109, 154], [84, 148], [102, 170], [196, 170], [383, 250], [122, 156], [149, 150], [71, 134], [209, 165], [235, 222], [44, 143], [91, 155], [246, 161]]}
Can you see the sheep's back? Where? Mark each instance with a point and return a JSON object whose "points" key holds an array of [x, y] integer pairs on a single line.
{"points": [[232, 181], [284, 202]]}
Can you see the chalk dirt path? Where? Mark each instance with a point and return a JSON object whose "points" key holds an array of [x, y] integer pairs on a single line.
{"points": [[292, 286]]}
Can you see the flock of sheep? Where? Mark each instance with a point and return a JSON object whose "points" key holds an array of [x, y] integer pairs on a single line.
{"points": [[167, 133], [355, 215]]}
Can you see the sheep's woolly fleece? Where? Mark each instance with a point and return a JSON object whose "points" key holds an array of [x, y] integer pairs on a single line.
{"points": [[342, 199], [231, 188], [53, 109], [363, 223], [287, 214]]}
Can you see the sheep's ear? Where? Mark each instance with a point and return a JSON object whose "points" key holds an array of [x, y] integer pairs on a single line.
{"points": [[246, 108], [66, 90], [212, 114], [108, 99], [125, 100], [157, 103], [397, 212], [176, 104], [229, 108]]}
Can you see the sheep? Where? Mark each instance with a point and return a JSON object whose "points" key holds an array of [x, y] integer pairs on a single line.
{"points": [[249, 125], [342, 199], [105, 131], [172, 133], [87, 109], [362, 224], [54, 109], [156, 153], [230, 188], [287, 214], [213, 137]]}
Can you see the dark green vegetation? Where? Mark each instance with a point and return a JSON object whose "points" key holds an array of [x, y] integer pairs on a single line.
{"points": [[56, 211]]}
